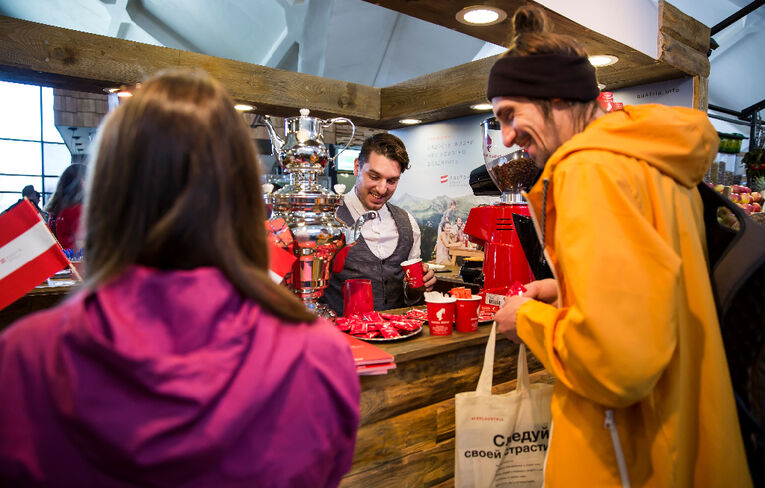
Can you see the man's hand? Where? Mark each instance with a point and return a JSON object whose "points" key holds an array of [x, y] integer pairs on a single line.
{"points": [[429, 277], [507, 316], [542, 290]]}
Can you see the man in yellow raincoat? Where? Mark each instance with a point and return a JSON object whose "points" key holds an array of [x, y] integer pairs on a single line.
{"points": [[628, 327]]}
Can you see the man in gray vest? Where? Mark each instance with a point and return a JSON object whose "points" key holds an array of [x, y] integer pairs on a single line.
{"points": [[385, 242]]}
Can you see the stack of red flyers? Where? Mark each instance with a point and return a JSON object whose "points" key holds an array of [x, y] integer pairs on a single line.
{"points": [[369, 358]]}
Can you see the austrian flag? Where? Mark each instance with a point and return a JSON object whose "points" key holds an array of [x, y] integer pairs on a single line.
{"points": [[444, 178], [28, 252]]}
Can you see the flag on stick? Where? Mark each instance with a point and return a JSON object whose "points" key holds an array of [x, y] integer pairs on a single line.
{"points": [[28, 252]]}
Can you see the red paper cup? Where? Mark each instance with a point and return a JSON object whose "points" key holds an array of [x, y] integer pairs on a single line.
{"points": [[441, 316], [413, 273], [357, 297], [467, 314]]}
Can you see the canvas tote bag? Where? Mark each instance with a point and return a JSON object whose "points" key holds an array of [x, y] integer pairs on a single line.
{"points": [[501, 440]]}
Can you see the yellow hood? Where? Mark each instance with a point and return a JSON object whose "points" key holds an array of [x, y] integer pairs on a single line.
{"points": [[679, 142]]}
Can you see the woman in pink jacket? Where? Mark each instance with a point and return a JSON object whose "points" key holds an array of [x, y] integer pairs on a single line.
{"points": [[179, 363]]}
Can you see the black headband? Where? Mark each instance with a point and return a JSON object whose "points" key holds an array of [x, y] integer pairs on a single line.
{"points": [[543, 76]]}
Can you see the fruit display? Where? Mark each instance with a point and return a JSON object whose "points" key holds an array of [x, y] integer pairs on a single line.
{"points": [[730, 143], [743, 196]]}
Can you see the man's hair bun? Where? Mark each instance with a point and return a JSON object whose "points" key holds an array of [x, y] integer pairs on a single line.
{"points": [[528, 19]]}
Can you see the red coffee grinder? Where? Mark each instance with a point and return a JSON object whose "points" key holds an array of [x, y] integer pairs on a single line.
{"points": [[491, 226]]}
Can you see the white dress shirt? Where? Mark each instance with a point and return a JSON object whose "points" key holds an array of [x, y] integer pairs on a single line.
{"points": [[381, 234]]}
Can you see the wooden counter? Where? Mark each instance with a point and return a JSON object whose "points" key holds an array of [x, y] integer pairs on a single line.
{"points": [[40, 298], [406, 435]]}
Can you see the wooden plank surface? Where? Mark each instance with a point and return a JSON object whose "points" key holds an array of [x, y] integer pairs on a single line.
{"points": [[414, 447], [64, 57], [633, 62], [37, 53], [684, 28]]}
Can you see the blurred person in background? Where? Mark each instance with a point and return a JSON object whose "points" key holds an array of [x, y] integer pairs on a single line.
{"points": [[628, 328], [33, 196], [65, 206], [179, 362]]}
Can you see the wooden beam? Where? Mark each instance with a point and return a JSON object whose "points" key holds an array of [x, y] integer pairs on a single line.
{"points": [[449, 93], [684, 28], [442, 12], [70, 59], [683, 41], [673, 52], [701, 93], [37, 53], [436, 96]]}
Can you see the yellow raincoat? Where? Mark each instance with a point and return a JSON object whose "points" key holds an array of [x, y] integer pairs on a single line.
{"points": [[636, 331]]}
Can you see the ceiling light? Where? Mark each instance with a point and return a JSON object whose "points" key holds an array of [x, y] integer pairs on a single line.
{"points": [[124, 94], [601, 86], [481, 15], [111, 90], [600, 60], [243, 107], [410, 121], [482, 106]]}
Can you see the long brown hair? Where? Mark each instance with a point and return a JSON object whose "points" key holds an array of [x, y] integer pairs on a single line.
{"points": [[532, 35], [174, 184], [69, 190]]}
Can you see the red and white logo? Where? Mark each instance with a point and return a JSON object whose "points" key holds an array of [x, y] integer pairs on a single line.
{"points": [[444, 178]]}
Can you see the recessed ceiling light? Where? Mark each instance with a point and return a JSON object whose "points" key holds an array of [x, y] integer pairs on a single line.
{"points": [[481, 15], [243, 107], [410, 121], [481, 106], [600, 60]]}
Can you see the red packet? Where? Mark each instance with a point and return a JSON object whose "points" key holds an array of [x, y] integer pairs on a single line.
{"points": [[372, 316], [406, 324], [516, 289], [358, 326], [388, 331], [416, 313], [376, 325], [343, 323]]}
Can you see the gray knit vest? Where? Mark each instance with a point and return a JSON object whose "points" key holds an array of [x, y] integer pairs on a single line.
{"points": [[387, 275]]}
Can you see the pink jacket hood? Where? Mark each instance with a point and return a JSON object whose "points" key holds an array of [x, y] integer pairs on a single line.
{"points": [[140, 386]]}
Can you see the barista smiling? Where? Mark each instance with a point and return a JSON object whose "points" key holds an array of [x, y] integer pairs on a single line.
{"points": [[376, 180], [387, 240]]}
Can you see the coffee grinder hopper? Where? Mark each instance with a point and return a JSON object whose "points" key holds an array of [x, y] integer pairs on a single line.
{"points": [[511, 169]]}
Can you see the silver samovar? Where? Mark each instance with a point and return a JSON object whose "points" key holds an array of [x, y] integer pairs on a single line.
{"points": [[308, 208]]}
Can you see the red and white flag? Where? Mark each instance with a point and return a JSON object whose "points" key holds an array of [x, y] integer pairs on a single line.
{"points": [[280, 262], [444, 178], [28, 252]]}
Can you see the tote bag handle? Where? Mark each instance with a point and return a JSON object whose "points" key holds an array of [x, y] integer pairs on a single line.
{"points": [[485, 380]]}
